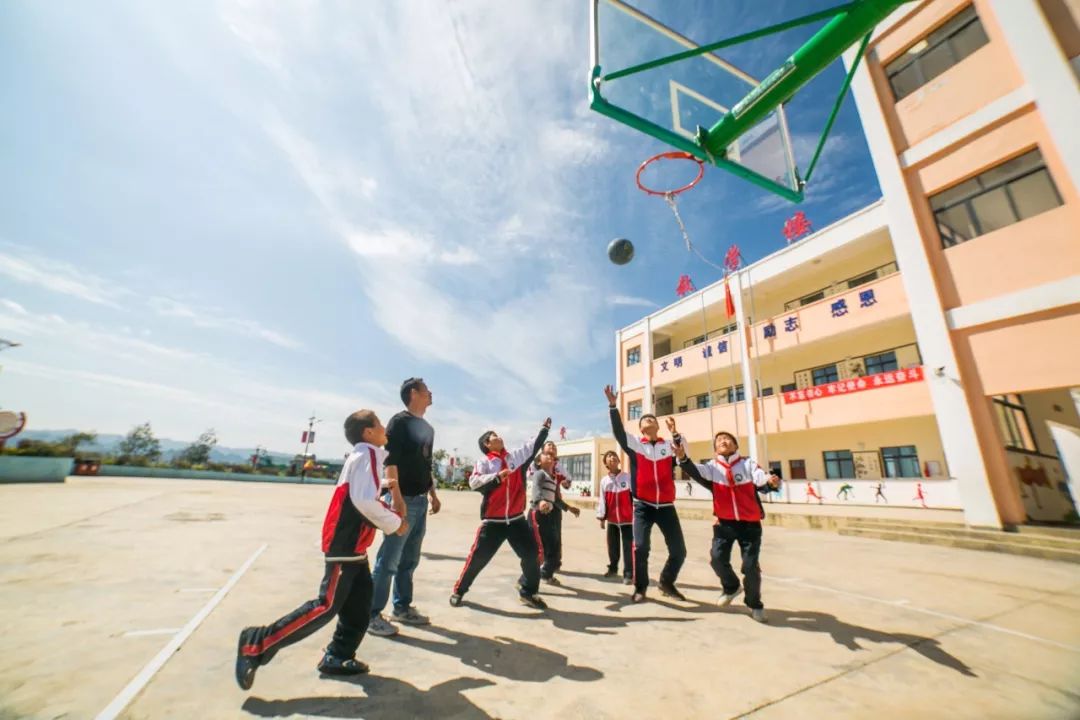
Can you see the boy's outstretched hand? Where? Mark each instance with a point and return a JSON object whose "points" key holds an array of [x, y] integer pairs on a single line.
{"points": [[680, 450], [575, 510], [503, 474], [547, 423], [774, 482], [670, 421], [611, 395]]}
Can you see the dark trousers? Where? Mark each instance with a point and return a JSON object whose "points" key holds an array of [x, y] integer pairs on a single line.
{"points": [[345, 592], [748, 536], [546, 533], [645, 516], [489, 538], [620, 535]]}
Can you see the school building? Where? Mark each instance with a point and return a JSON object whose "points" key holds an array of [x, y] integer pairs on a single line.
{"points": [[925, 346]]}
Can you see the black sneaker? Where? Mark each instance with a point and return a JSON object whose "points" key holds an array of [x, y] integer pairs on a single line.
{"points": [[637, 597], [670, 590], [332, 665], [455, 600], [246, 665], [610, 572], [533, 601]]}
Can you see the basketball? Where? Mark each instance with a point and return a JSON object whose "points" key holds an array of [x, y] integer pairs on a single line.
{"points": [[620, 251]]}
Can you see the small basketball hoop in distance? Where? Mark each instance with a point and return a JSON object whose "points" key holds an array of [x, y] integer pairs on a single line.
{"points": [[671, 155]]}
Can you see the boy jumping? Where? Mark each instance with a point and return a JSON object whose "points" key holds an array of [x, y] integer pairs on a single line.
{"points": [[734, 482], [500, 476]]}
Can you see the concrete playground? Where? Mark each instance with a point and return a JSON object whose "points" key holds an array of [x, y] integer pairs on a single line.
{"points": [[123, 597]]}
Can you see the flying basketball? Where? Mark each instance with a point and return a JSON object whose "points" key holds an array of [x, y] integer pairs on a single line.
{"points": [[620, 251]]}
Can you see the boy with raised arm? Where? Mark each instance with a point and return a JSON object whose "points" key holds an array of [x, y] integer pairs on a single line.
{"points": [[500, 477], [734, 482], [652, 486]]}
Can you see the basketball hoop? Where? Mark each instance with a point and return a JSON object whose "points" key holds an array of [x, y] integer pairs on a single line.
{"points": [[672, 155]]}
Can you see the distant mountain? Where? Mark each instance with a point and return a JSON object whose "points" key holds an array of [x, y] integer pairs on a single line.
{"points": [[106, 443]]}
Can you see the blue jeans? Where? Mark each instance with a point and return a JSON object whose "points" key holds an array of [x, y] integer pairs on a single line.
{"points": [[398, 557]]}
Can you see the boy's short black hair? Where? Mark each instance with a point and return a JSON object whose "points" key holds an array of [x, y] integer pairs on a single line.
{"points": [[413, 383], [610, 452], [646, 415], [357, 423], [484, 441], [725, 432]]}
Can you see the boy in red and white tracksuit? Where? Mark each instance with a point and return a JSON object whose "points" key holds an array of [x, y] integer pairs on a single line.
{"points": [[652, 485], [734, 482], [354, 514], [615, 508], [500, 476]]}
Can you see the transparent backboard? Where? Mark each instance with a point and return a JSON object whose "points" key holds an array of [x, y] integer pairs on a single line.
{"points": [[682, 96]]}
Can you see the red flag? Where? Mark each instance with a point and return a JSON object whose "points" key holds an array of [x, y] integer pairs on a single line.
{"points": [[729, 302], [303, 437]]}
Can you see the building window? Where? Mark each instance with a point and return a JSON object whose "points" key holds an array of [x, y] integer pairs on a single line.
{"points": [[962, 35], [633, 410], [776, 468], [839, 464], [825, 374], [766, 392], [1005, 194], [697, 402], [633, 356], [798, 469], [736, 394], [883, 362], [862, 279], [790, 387], [578, 468], [901, 462], [1013, 419], [819, 295]]}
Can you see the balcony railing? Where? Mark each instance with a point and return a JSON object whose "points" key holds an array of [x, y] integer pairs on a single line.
{"points": [[843, 286]]}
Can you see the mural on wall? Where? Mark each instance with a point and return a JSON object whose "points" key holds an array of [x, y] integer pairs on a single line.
{"points": [[1043, 487], [867, 464]]}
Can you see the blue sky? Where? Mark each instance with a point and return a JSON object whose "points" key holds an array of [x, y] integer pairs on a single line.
{"points": [[229, 214]]}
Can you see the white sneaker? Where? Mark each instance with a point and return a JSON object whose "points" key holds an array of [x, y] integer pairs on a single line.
{"points": [[725, 599], [379, 627], [411, 616], [759, 615]]}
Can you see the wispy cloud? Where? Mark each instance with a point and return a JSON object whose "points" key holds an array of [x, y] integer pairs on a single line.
{"points": [[30, 268], [630, 301], [216, 319], [475, 155]]}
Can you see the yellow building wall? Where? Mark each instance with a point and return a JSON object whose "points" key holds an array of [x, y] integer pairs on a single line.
{"points": [[810, 445]]}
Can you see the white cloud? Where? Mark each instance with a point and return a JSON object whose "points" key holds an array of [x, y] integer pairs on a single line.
{"points": [[630, 301], [13, 306], [57, 276], [487, 149], [215, 319]]}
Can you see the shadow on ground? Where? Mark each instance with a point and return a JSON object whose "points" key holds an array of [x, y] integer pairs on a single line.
{"points": [[849, 636], [384, 697], [502, 656]]}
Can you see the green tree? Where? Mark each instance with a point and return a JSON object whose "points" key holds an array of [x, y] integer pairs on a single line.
{"points": [[139, 447], [198, 452], [69, 445]]}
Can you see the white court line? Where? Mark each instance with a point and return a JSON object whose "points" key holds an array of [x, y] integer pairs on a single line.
{"points": [[200, 590], [134, 687], [905, 605], [159, 631]]}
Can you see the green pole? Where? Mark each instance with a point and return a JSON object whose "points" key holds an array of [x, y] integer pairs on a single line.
{"points": [[815, 55]]}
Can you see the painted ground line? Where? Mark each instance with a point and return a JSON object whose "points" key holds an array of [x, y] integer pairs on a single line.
{"points": [[121, 701]]}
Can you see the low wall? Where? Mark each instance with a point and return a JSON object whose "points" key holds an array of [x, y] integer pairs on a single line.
{"points": [[21, 469], [180, 473]]}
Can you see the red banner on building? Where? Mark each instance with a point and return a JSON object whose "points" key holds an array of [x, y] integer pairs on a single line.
{"points": [[854, 385]]}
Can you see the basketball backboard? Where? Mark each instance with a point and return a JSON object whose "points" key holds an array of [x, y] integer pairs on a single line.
{"points": [[677, 99]]}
